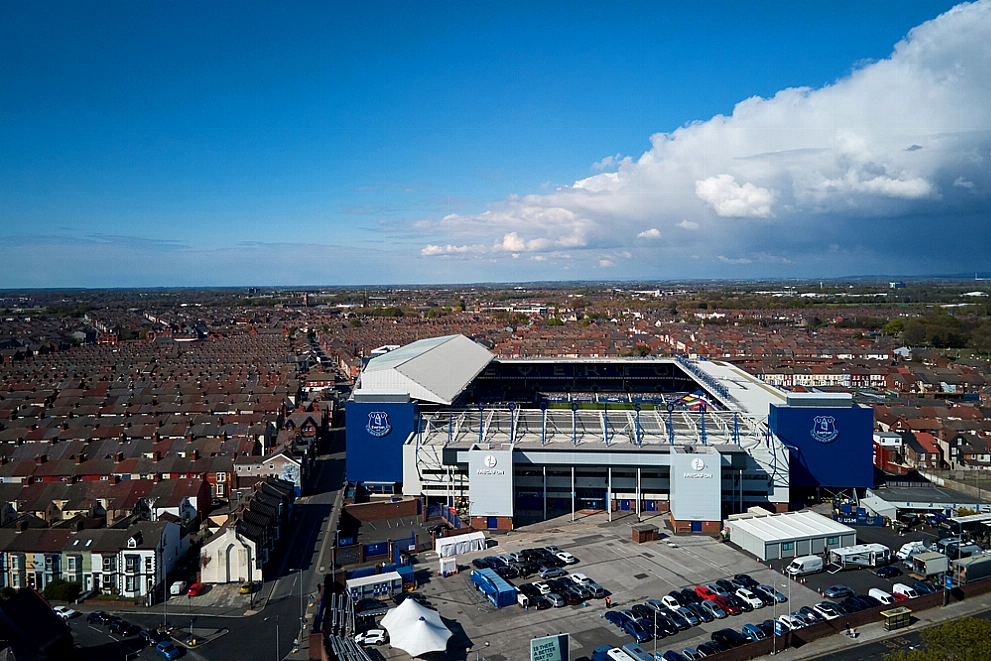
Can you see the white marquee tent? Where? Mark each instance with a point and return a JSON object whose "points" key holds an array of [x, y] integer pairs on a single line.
{"points": [[415, 629], [448, 546]]}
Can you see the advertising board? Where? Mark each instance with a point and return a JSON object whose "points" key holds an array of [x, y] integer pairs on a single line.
{"points": [[829, 447], [550, 648], [375, 433]]}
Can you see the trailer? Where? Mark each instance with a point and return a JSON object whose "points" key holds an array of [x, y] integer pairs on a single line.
{"points": [[495, 589], [861, 555], [929, 564], [971, 569]]}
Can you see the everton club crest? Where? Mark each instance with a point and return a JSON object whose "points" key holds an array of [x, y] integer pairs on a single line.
{"points": [[378, 424], [825, 430]]}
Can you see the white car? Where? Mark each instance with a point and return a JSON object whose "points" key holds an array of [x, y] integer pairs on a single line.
{"points": [[827, 610], [566, 557], [750, 598], [670, 602], [65, 612], [543, 586], [372, 637], [581, 579], [791, 621]]}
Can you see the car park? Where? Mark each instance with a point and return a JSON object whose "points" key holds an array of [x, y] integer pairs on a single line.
{"points": [[838, 592], [750, 598], [65, 612], [372, 637], [889, 571], [167, 650]]}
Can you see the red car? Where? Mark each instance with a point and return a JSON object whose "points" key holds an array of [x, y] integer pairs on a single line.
{"points": [[705, 592], [195, 589], [727, 605]]}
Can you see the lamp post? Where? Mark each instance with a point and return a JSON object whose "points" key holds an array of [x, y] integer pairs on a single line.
{"points": [[655, 634], [302, 620], [278, 656]]}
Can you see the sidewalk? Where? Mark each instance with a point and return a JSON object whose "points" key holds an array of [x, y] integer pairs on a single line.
{"points": [[875, 631]]}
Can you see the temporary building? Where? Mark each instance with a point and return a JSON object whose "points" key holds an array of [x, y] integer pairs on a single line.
{"points": [[375, 586], [788, 535], [416, 629], [448, 546]]}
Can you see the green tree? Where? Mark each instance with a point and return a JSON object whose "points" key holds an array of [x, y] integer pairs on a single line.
{"points": [[914, 332], [966, 639], [61, 590], [355, 323], [553, 321], [980, 337], [893, 327]]}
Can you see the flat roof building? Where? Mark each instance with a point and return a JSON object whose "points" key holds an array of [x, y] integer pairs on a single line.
{"points": [[788, 535]]}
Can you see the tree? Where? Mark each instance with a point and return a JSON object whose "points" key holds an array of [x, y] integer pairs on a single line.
{"points": [[966, 511], [966, 639], [893, 327], [355, 323], [914, 333], [61, 590]]}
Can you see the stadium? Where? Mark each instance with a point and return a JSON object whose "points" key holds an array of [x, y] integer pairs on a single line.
{"points": [[514, 441]]}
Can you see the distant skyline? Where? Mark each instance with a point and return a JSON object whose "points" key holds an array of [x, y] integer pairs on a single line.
{"points": [[308, 144]]}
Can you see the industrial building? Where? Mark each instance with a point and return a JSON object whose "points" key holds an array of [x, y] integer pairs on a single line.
{"points": [[519, 440], [789, 535]]}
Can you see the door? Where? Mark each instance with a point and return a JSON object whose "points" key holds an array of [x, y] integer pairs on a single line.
{"points": [[696, 526], [493, 523], [624, 505]]}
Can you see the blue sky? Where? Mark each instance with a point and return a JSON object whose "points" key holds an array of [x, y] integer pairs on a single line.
{"points": [[164, 144]]}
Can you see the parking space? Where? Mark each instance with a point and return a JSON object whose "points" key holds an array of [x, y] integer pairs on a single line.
{"points": [[630, 574]]}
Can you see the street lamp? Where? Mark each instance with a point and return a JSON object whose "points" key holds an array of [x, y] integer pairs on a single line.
{"points": [[655, 633], [278, 656], [302, 619]]}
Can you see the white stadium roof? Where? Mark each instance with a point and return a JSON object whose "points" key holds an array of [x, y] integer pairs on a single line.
{"points": [[433, 370]]}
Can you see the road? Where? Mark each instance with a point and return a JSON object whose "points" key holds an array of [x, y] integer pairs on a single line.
{"points": [[247, 637], [875, 651]]}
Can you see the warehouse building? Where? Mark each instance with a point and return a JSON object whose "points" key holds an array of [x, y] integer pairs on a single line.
{"points": [[789, 535]]}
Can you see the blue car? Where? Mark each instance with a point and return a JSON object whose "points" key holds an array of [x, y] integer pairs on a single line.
{"points": [[838, 592], [617, 618], [167, 650], [671, 655], [636, 629], [601, 653], [924, 587]]}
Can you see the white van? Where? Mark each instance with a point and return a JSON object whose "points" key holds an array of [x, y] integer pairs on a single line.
{"points": [[901, 588], [637, 652], [881, 596], [179, 587], [807, 564], [910, 549]]}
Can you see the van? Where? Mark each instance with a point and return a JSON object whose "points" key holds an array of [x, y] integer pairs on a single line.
{"points": [[910, 549], [179, 587], [598, 592], [617, 654], [881, 596], [901, 588], [808, 564], [637, 652]]}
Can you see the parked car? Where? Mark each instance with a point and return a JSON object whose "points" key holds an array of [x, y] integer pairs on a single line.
{"points": [[65, 612], [749, 597], [372, 637], [671, 655], [692, 654], [167, 650], [701, 613], [642, 610], [729, 638], [98, 617], [678, 620], [540, 603], [746, 581], [179, 587], [566, 557], [616, 618], [828, 610], [580, 579], [119, 626], [552, 572], [436, 528], [924, 587], [690, 596], [838, 592], [711, 648], [773, 593], [571, 596], [717, 589], [812, 614], [636, 629], [689, 616], [196, 589], [557, 601], [597, 590], [906, 592], [529, 589], [663, 626], [602, 653], [791, 621], [676, 596], [704, 591], [888, 572], [754, 632], [729, 585], [713, 608]]}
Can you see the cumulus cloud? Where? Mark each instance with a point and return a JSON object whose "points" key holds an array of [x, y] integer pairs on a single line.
{"points": [[731, 200], [605, 263], [890, 149]]}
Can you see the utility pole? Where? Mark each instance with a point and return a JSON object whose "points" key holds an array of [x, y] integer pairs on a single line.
{"points": [[278, 656]]}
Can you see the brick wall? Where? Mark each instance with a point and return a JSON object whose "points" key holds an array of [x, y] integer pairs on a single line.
{"points": [[365, 512]]}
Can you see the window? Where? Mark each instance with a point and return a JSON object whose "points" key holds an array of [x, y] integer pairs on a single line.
{"points": [[15, 562], [109, 564], [132, 563], [71, 562], [787, 546], [129, 584], [15, 581], [832, 540], [221, 477], [147, 565]]}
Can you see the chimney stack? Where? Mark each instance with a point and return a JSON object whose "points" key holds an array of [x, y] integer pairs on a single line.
{"points": [[80, 458], [78, 525], [21, 526], [118, 457], [195, 455], [156, 455]]}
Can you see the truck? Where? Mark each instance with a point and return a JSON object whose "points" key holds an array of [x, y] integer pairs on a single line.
{"points": [[929, 564], [861, 555], [807, 564], [971, 569]]}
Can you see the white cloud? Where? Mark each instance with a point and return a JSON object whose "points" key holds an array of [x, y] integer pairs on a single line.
{"points": [[899, 140], [605, 263], [731, 200], [740, 260], [431, 250]]}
